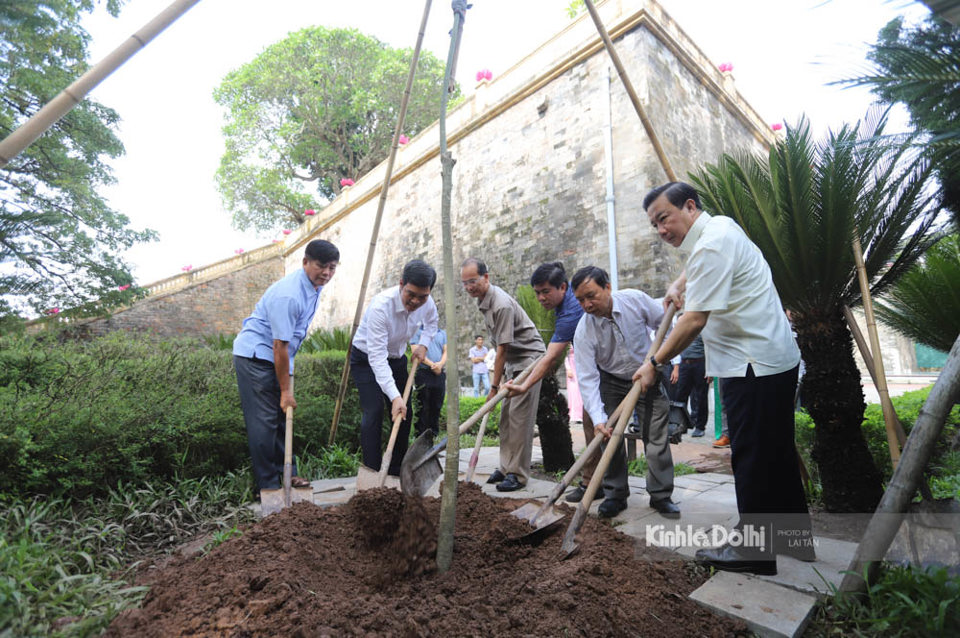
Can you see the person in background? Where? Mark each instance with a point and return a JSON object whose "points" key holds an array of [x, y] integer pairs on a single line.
{"points": [[263, 355], [481, 372], [430, 382]]}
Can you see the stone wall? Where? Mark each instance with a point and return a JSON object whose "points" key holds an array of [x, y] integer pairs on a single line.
{"points": [[211, 307], [530, 178]]}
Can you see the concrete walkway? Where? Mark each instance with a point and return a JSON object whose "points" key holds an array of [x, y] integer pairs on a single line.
{"points": [[778, 605]]}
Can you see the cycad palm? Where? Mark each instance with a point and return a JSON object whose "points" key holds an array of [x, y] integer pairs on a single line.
{"points": [[925, 303], [802, 205]]}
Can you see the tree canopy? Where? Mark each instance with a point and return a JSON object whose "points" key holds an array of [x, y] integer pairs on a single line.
{"points": [[59, 241], [312, 109]]}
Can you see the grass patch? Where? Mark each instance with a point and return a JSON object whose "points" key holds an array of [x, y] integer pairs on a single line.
{"points": [[638, 467]]}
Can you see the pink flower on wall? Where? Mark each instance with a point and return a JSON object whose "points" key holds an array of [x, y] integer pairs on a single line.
{"points": [[286, 231], [53, 311], [309, 212], [726, 67], [776, 126], [187, 268], [123, 287], [346, 181], [276, 241], [480, 76], [239, 251], [487, 75], [403, 139]]}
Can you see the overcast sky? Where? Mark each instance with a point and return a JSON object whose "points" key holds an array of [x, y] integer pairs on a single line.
{"points": [[784, 54]]}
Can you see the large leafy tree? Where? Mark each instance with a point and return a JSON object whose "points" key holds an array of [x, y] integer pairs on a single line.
{"points": [[315, 108], [802, 205], [919, 67], [59, 241]]}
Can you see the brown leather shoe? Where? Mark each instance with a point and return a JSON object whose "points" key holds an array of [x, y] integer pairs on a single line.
{"points": [[723, 441]]}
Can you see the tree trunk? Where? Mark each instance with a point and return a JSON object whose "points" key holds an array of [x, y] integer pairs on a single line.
{"points": [[553, 421], [833, 396]]}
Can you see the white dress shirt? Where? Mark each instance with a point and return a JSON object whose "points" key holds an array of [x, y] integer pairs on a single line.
{"points": [[616, 345], [728, 277], [386, 328]]}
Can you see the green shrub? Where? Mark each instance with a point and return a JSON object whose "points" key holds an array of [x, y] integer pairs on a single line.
{"points": [[469, 405], [80, 417], [905, 601], [337, 339]]}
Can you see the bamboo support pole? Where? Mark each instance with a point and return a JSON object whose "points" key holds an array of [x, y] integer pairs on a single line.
{"points": [[448, 502], [634, 99], [375, 234], [889, 417], [886, 520], [64, 102]]}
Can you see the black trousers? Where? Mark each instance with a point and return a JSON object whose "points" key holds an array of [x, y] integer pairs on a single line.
{"points": [[692, 385], [266, 423], [372, 402], [766, 468], [431, 389]]}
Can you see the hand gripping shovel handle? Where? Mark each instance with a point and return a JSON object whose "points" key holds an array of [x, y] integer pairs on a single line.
{"points": [[626, 407], [485, 409], [388, 454]]}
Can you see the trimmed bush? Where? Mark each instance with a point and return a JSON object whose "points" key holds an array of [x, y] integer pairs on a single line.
{"points": [[82, 416]]}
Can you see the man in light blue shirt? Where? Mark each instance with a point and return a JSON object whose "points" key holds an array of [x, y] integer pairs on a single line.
{"points": [[431, 383], [263, 358], [378, 361]]}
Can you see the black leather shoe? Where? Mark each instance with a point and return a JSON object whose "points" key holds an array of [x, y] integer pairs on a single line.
{"points": [[666, 508], [577, 494], [509, 484], [610, 507], [696, 432], [496, 477], [731, 559]]}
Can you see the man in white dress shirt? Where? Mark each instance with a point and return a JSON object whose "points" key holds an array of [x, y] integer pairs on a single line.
{"points": [[378, 361], [612, 338], [729, 297]]}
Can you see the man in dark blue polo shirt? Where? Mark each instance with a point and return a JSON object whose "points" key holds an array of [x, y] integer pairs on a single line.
{"points": [[553, 291]]}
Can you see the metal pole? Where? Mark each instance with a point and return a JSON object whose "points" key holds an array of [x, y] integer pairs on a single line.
{"points": [[611, 199], [374, 235], [64, 102]]}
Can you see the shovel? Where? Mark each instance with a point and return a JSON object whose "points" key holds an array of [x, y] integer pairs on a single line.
{"points": [[368, 478], [544, 517], [570, 546], [420, 467], [272, 501]]}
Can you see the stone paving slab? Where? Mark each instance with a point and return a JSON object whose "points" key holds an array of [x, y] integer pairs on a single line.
{"points": [[768, 609]]}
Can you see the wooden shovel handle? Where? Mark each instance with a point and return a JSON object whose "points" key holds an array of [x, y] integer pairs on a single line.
{"points": [[497, 398], [626, 409], [388, 454]]}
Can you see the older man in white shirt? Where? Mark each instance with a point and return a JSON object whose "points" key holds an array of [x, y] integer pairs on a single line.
{"points": [[611, 340], [730, 299], [378, 361]]}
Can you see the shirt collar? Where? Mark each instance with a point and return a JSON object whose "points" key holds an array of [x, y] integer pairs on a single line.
{"points": [[398, 307], [484, 304], [695, 231], [566, 306], [307, 284]]}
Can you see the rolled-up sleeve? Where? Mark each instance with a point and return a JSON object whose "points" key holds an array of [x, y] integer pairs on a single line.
{"points": [[377, 334]]}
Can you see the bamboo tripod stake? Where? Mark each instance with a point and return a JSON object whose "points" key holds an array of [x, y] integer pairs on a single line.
{"points": [[375, 234], [889, 416]]}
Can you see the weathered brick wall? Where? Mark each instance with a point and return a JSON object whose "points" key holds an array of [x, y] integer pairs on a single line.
{"points": [[217, 306], [530, 184]]}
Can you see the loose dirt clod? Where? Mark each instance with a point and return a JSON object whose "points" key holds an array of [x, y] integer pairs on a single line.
{"points": [[369, 568]]}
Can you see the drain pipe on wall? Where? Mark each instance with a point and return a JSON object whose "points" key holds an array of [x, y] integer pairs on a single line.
{"points": [[611, 199]]}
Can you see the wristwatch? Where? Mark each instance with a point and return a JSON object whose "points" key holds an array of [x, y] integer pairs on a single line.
{"points": [[653, 361]]}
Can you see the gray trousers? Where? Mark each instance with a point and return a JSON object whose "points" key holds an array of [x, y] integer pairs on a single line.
{"points": [[517, 418], [266, 422], [656, 446]]}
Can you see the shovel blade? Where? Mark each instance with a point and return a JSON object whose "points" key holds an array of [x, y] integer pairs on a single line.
{"points": [[367, 479], [420, 466], [272, 501]]}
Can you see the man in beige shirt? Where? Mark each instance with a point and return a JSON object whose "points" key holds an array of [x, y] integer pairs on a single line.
{"points": [[518, 343]]}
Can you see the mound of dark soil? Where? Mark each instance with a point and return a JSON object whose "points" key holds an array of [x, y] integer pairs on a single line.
{"points": [[368, 568]]}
